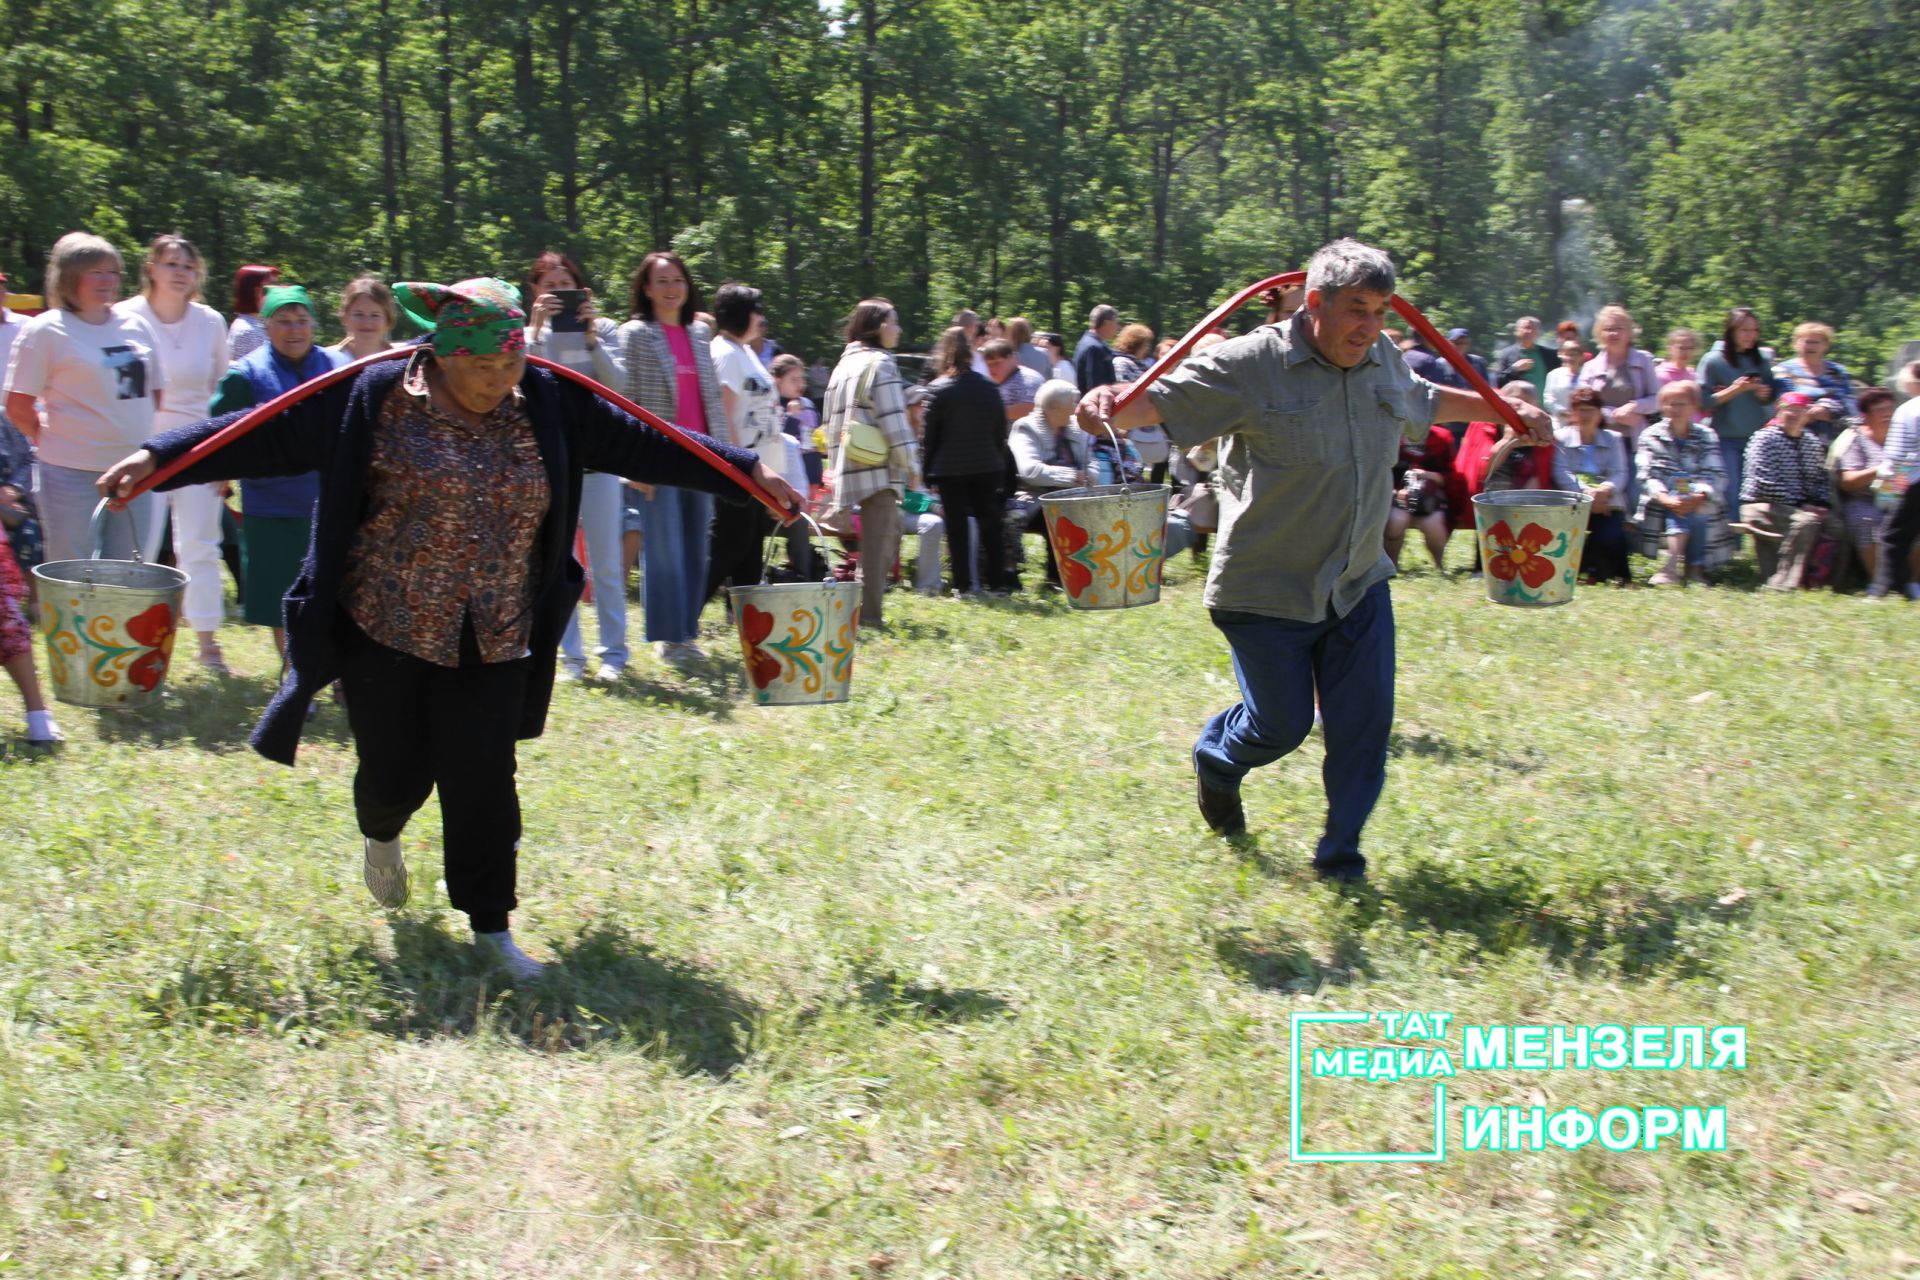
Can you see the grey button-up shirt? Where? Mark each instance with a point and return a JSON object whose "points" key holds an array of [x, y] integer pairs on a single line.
{"points": [[1306, 477]]}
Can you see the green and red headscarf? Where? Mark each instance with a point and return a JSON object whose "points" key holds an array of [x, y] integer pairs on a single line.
{"points": [[479, 317]]}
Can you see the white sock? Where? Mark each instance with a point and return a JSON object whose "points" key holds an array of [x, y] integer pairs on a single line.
{"points": [[383, 853], [40, 724]]}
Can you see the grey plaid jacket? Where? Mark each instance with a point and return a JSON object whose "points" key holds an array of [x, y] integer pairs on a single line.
{"points": [[640, 366]]}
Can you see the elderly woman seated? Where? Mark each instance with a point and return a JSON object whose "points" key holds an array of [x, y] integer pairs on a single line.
{"points": [[1858, 455], [1049, 453], [1592, 459], [1683, 490]]}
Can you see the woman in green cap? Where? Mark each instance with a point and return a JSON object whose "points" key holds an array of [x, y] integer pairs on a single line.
{"points": [[441, 573], [276, 513]]}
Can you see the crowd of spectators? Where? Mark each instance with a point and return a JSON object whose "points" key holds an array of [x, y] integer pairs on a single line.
{"points": [[1685, 455]]}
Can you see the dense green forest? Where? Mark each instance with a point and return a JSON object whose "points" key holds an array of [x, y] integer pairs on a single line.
{"points": [[1013, 156]]}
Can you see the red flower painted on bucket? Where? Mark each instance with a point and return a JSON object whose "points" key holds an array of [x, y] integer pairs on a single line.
{"points": [[755, 626], [153, 628], [1520, 557], [1068, 538]]}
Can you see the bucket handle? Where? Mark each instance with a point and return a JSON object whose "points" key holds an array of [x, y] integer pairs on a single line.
{"points": [[97, 527], [819, 535]]}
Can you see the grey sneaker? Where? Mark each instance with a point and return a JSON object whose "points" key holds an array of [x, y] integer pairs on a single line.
{"points": [[385, 872], [502, 950]]}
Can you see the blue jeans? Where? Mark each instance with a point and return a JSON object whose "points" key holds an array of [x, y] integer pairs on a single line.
{"points": [[1695, 526], [1279, 665], [673, 554], [1733, 456], [602, 514], [65, 498]]}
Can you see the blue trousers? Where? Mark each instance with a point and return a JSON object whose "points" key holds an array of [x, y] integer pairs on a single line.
{"points": [[1733, 457], [673, 562], [1279, 665], [602, 517]]}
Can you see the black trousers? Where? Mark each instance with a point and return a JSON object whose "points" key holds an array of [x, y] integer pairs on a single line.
{"points": [[417, 726], [1037, 523], [977, 497], [1605, 555], [736, 546], [1897, 534]]}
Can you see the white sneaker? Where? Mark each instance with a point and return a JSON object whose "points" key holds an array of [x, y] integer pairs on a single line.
{"points": [[572, 672], [608, 673], [501, 948], [385, 872]]}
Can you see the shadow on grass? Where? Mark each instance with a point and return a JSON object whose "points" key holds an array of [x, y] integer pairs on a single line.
{"points": [[1627, 930], [707, 690], [899, 628], [893, 998], [1281, 962], [602, 986], [1619, 931], [214, 714], [1432, 746]]}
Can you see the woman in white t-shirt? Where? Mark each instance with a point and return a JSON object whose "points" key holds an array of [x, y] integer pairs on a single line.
{"points": [[737, 540], [193, 355], [84, 385]]}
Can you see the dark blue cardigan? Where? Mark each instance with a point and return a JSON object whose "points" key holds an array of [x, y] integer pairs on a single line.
{"points": [[332, 433]]}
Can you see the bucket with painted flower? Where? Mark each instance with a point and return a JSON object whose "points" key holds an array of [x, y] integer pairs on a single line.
{"points": [[1109, 542], [1530, 544], [798, 639], [109, 625]]}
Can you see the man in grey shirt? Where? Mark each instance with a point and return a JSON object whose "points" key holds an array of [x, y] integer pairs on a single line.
{"points": [[1312, 411]]}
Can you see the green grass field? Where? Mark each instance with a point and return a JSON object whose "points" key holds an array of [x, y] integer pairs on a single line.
{"points": [[951, 981]]}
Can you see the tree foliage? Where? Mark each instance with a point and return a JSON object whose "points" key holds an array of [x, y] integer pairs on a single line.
{"points": [[1678, 156]]}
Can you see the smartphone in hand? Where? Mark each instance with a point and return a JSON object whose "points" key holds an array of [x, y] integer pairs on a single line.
{"points": [[567, 320]]}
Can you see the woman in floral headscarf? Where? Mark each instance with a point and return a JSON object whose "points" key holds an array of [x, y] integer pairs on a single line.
{"points": [[441, 573]]}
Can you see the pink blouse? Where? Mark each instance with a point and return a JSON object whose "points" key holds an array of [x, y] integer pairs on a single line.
{"points": [[689, 406]]}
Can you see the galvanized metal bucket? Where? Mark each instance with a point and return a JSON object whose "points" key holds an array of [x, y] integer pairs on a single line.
{"points": [[1109, 542], [798, 639], [109, 625], [1530, 544]]}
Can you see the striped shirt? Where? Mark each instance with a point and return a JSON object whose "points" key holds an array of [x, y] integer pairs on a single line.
{"points": [[1786, 469]]}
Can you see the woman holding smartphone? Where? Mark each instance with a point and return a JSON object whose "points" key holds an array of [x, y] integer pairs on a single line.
{"points": [[564, 326]]}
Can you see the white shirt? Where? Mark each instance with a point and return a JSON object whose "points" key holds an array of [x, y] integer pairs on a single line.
{"points": [[95, 382], [1559, 387], [10, 326], [1063, 372], [752, 424], [193, 355]]}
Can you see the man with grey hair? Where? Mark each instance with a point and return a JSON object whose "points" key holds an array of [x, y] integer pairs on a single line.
{"points": [[1524, 357], [1312, 412], [1093, 358]]}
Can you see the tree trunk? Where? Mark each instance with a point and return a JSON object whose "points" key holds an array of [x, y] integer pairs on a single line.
{"points": [[569, 133], [449, 174], [696, 160], [870, 27], [389, 177], [1057, 224], [1556, 228]]}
